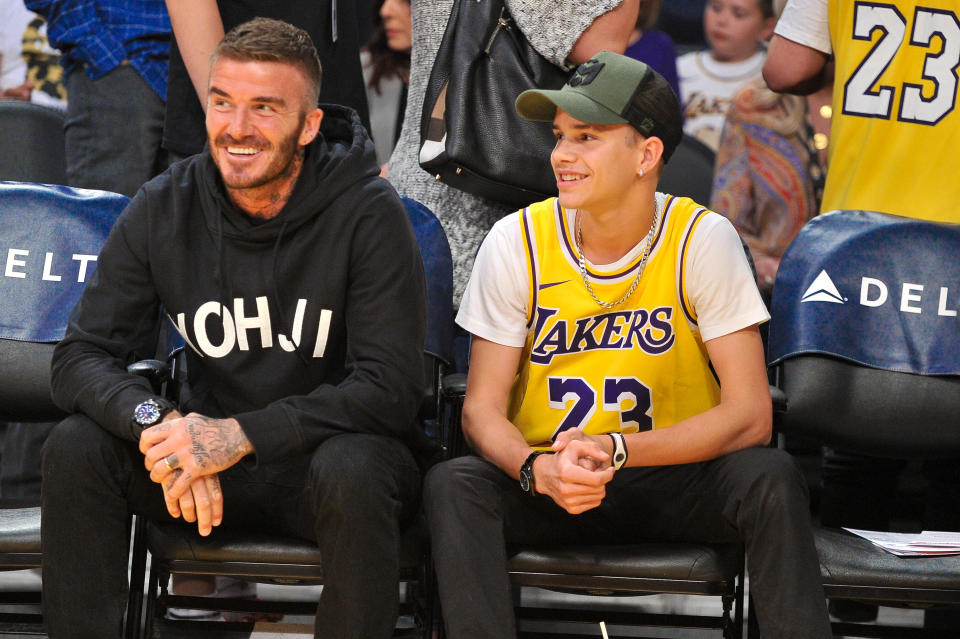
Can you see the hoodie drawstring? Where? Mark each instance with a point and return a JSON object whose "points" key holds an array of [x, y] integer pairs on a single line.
{"points": [[275, 256]]}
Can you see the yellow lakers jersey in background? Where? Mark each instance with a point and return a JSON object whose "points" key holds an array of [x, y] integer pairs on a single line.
{"points": [[639, 366], [896, 120]]}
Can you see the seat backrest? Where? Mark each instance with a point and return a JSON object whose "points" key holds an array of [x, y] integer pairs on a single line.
{"points": [[32, 144], [864, 334], [438, 270], [689, 173], [49, 240]]}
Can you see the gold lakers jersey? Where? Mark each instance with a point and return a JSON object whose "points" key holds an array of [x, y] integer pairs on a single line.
{"points": [[639, 366], [896, 121]]}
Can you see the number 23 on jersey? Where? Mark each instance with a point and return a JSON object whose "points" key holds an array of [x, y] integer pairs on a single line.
{"points": [[626, 396], [923, 49]]}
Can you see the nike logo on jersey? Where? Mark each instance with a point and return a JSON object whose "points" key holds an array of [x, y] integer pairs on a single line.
{"points": [[552, 284]]}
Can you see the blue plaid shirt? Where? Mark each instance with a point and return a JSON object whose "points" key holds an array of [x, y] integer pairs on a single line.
{"points": [[103, 33]]}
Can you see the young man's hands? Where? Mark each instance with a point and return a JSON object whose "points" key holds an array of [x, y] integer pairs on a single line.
{"points": [[576, 476]]}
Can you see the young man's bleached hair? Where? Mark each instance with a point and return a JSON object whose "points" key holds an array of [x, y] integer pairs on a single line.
{"points": [[268, 40]]}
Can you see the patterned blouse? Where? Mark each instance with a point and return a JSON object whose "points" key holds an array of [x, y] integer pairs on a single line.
{"points": [[768, 179]]}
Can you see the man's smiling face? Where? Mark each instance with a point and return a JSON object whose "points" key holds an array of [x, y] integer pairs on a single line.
{"points": [[257, 122]]}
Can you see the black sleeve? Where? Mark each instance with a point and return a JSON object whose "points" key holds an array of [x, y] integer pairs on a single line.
{"points": [[114, 324], [386, 321]]}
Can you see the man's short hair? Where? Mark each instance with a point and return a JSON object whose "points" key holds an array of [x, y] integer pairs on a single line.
{"points": [[613, 89], [269, 40]]}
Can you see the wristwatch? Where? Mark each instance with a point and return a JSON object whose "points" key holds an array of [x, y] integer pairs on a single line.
{"points": [[150, 412], [527, 483], [619, 457]]}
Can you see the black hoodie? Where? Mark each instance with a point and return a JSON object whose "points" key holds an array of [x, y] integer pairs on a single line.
{"points": [[301, 327]]}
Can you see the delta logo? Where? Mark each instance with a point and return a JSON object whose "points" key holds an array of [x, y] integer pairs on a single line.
{"points": [[822, 290], [875, 292]]}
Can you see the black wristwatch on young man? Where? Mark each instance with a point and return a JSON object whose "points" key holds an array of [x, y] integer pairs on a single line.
{"points": [[527, 483], [151, 412]]}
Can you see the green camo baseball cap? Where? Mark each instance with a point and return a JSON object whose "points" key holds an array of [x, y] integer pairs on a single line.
{"points": [[612, 89]]}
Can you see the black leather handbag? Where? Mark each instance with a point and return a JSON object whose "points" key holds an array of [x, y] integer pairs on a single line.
{"points": [[471, 137]]}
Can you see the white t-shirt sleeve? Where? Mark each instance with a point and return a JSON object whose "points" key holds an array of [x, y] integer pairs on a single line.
{"points": [[806, 22], [720, 285], [494, 305]]}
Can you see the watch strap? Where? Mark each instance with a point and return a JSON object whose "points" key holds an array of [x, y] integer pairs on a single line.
{"points": [[166, 407], [527, 468], [620, 454]]}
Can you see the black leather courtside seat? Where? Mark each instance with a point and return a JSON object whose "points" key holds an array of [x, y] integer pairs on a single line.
{"points": [[657, 566]]}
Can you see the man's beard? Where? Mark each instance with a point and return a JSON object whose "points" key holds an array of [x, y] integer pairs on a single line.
{"points": [[282, 164]]}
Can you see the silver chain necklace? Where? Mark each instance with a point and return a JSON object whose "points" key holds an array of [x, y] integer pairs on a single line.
{"points": [[640, 267]]}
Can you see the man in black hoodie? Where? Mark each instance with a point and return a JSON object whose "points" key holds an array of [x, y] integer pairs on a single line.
{"points": [[291, 272]]}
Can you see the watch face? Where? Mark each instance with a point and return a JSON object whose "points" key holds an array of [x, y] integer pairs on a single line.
{"points": [[524, 480], [147, 413]]}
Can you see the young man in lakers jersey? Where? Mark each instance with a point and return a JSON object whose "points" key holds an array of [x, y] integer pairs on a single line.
{"points": [[591, 403]]}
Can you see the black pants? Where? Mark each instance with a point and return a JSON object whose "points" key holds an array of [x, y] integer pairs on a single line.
{"points": [[113, 131], [20, 467], [756, 496], [350, 496]]}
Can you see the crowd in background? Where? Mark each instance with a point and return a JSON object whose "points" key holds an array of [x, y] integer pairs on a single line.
{"points": [[771, 148]]}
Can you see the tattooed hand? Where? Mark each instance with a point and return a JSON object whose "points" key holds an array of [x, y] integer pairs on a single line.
{"points": [[195, 445], [202, 502]]}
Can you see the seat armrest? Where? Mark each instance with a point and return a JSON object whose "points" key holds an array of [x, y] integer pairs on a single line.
{"points": [[155, 371], [454, 388], [779, 400]]}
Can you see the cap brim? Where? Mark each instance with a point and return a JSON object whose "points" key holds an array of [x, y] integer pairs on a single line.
{"points": [[541, 106]]}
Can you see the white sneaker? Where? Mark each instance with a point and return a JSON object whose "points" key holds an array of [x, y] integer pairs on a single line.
{"points": [[225, 588]]}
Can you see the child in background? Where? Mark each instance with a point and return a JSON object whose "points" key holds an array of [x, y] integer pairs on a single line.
{"points": [[735, 31], [652, 46], [30, 68]]}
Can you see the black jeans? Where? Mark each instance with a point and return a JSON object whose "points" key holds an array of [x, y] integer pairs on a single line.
{"points": [[756, 496], [351, 496], [20, 467]]}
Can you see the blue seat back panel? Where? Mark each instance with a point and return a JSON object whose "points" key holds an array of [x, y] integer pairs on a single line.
{"points": [[50, 237], [879, 290], [438, 269]]}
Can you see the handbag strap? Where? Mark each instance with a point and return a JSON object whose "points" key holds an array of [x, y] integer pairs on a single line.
{"points": [[505, 21]]}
